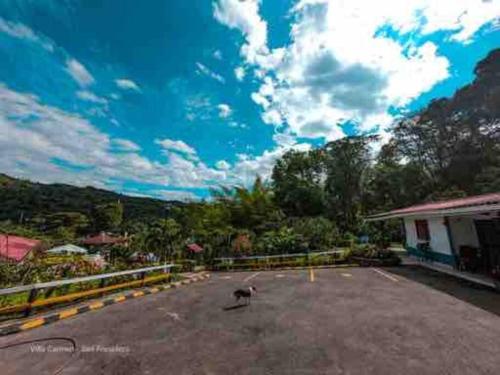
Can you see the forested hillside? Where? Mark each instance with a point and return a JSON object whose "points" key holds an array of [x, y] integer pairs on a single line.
{"points": [[23, 200]]}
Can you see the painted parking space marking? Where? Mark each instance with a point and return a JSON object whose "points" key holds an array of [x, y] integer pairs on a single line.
{"points": [[279, 275], [311, 274], [386, 275], [225, 277], [345, 274], [251, 276]]}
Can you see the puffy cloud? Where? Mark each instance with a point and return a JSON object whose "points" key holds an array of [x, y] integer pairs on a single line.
{"points": [[21, 31], [217, 55], [48, 144], [79, 73], [342, 65], [176, 146], [222, 165], [127, 84], [224, 110], [91, 97], [244, 16], [239, 73], [125, 145], [202, 69]]}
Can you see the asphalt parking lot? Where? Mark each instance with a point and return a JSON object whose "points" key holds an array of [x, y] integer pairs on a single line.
{"points": [[331, 321]]}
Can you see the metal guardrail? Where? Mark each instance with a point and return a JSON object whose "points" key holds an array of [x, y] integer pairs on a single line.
{"points": [[52, 284], [332, 252]]}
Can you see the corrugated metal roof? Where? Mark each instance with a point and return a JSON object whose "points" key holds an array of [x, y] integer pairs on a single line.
{"points": [[473, 201], [16, 248], [103, 239]]}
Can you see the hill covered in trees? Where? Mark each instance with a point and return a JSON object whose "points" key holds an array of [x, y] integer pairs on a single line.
{"points": [[22, 201]]}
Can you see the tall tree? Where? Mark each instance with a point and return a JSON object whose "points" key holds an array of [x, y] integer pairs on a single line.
{"points": [[348, 160], [298, 182]]}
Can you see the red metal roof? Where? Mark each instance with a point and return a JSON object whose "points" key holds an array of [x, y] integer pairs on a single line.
{"points": [[195, 248], [476, 200], [16, 248], [102, 239]]}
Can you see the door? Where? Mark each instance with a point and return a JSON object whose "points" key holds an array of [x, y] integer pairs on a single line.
{"points": [[488, 232]]}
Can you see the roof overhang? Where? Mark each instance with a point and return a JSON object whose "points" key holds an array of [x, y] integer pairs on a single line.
{"points": [[462, 211]]}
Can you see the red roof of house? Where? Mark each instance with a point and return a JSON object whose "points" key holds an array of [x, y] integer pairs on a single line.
{"points": [[16, 248], [103, 239], [195, 248], [477, 200]]}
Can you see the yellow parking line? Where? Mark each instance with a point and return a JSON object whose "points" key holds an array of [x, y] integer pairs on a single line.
{"points": [[119, 299], [311, 274]]}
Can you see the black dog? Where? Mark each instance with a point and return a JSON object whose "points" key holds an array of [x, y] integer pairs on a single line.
{"points": [[245, 293]]}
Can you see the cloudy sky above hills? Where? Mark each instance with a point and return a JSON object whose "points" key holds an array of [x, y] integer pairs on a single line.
{"points": [[170, 98]]}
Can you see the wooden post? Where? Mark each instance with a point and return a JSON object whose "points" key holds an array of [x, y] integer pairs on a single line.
{"points": [[31, 299]]}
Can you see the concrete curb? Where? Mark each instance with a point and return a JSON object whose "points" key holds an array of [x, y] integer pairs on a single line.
{"points": [[93, 305]]}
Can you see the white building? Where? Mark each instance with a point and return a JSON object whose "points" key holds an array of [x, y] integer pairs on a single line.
{"points": [[461, 233]]}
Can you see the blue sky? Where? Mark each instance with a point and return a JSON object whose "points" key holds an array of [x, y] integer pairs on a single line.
{"points": [[170, 98]]}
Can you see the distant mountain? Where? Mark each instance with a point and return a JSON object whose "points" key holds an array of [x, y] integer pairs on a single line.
{"points": [[26, 199]]}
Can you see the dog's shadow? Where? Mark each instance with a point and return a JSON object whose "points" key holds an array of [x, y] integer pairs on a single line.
{"points": [[234, 307]]}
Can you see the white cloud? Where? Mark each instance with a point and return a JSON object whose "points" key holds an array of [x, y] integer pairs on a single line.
{"points": [[324, 78], [125, 145], [21, 31], [222, 165], [127, 84], [239, 73], [91, 97], [217, 55], [224, 110], [36, 138], [79, 73], [178, 146], [244, 16], [202, 69]]}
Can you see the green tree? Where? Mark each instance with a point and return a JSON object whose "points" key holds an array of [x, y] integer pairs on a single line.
{"points": [[163, 238], [298, 182], [108, 216], [348, 160]]}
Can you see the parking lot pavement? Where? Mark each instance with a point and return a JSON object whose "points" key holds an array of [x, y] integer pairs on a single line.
{"points": [[331, 321]]}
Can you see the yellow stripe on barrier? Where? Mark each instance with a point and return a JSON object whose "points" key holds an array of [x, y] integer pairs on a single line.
{"points": [[138, 294], [33, 323], [154, 290], [87, 293], [119, 299], [96, 305], [67, 313]]}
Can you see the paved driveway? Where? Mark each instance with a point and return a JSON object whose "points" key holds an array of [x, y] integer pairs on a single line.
{"points": [[334, 321]]}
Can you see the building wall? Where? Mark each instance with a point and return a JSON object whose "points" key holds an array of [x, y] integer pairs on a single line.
{"points": [[439, 243], [463, 232]]}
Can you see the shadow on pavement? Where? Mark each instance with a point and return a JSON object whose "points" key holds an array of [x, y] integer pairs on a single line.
{"points": [[233, 307], [480, 296]]}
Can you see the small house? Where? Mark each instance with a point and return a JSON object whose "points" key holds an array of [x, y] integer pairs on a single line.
{"points": [[15, 249], [463, 234]]}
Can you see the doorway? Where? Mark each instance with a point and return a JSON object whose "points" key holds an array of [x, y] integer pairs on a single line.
{"points": [[488, 232]]}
